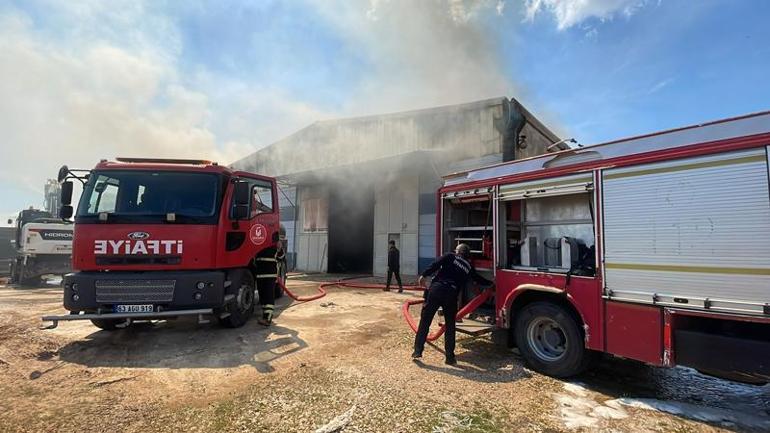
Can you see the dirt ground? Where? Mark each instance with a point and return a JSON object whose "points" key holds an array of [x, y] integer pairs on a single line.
{"points": [[339, 361]]}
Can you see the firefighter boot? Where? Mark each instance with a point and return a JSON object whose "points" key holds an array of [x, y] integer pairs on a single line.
{"points": [[267, 315]]}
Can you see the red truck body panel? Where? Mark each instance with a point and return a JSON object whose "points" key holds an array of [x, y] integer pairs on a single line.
{"points": [[100, 246], [631, 330]]}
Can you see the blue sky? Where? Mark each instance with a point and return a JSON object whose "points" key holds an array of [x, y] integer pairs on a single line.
{"points": [[86, 80], [669, 64]]}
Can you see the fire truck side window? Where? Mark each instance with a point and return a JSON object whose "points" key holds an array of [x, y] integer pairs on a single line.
{"points": [[261, 198], [105, 195]]}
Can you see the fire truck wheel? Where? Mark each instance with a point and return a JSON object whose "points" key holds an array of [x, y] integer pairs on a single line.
{"points": [[549, 340], [106, 324], [243, 308]]}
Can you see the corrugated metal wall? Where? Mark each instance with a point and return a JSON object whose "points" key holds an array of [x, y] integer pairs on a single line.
{"points": [[429, 184], [287, 202], [692, 228], [312, 247], [396, 213]]}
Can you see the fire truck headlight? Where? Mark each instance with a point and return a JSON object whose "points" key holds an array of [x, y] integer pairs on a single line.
{"points": [[198, 296], [201, 285], [75, 297]]}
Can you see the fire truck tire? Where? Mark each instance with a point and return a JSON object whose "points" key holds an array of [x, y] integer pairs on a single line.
{"points": [[243, 308], [106, 324], [549, 339]]}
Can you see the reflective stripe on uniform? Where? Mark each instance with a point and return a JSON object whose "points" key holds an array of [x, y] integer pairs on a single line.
{"points": [[265, 259], [268, 307], [267, 276]]}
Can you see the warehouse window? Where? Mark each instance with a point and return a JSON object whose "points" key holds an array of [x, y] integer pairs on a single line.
{"points": [[315, 211]]}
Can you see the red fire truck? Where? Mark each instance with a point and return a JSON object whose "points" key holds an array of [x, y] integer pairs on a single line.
{"points": [[161, 238], [654, 248]]}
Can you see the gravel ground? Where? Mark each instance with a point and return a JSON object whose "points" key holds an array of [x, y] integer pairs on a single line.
{"points": [[341, 361]]}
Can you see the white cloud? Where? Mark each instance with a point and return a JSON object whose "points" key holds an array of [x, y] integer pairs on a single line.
{"points": [[571, 12], [90, 97], [112, 85], [500, 7], [98, 101], [659, 86]]}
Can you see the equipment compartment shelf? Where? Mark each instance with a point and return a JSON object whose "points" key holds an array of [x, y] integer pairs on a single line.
{"points": [[469, 228]]}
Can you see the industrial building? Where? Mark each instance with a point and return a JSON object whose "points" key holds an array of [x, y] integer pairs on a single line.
{"points": [[350, 185], [52, 197]]}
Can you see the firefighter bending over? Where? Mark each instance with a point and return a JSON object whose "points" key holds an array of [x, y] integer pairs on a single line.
{"points": [[452, 272], [267, 273]]}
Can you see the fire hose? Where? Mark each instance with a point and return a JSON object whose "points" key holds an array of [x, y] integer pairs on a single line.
{"points": [[340, 283], [464, 311], [475, 303]]}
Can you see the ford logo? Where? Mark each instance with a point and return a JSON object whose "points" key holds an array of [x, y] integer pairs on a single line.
{"points": [[138, 235]]}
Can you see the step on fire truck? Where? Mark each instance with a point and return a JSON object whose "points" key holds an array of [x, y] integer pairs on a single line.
{"points": [[43, 247], [653, 248], [163, 238]]}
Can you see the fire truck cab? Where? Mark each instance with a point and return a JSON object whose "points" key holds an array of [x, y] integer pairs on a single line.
{"points": [[159, 238], [654, 248]]}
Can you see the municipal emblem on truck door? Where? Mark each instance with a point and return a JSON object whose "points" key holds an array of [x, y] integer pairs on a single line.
{"points": [[258, 234]]}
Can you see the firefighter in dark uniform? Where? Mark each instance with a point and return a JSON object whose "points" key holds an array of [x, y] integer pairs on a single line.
{"points": [[452, 273], [280, 257], [394, 266], [267, 273]]}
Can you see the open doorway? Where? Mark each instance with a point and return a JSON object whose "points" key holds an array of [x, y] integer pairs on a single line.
{"points": [[351, 229]]}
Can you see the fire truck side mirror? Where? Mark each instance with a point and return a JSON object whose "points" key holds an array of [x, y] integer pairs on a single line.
{"points": [[63, 172], [65, 212], [10, 221], [241, 200], [66, 193]]}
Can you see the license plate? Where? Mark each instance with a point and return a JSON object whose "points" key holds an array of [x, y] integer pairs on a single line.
{"points": [[133, 309]]}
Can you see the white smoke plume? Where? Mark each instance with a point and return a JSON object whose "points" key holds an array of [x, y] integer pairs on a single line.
{"points": [[107, 79]]}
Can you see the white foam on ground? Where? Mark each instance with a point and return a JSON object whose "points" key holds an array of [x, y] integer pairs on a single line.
{"points": [[578, 408], [576, 388], [692, 411]]}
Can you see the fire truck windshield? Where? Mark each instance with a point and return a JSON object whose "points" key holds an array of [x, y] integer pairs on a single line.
{"points": [[133, 196]]}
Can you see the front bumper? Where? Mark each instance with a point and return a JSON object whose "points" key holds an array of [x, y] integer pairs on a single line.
{"points": [[128, 317], [99, 292]]}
